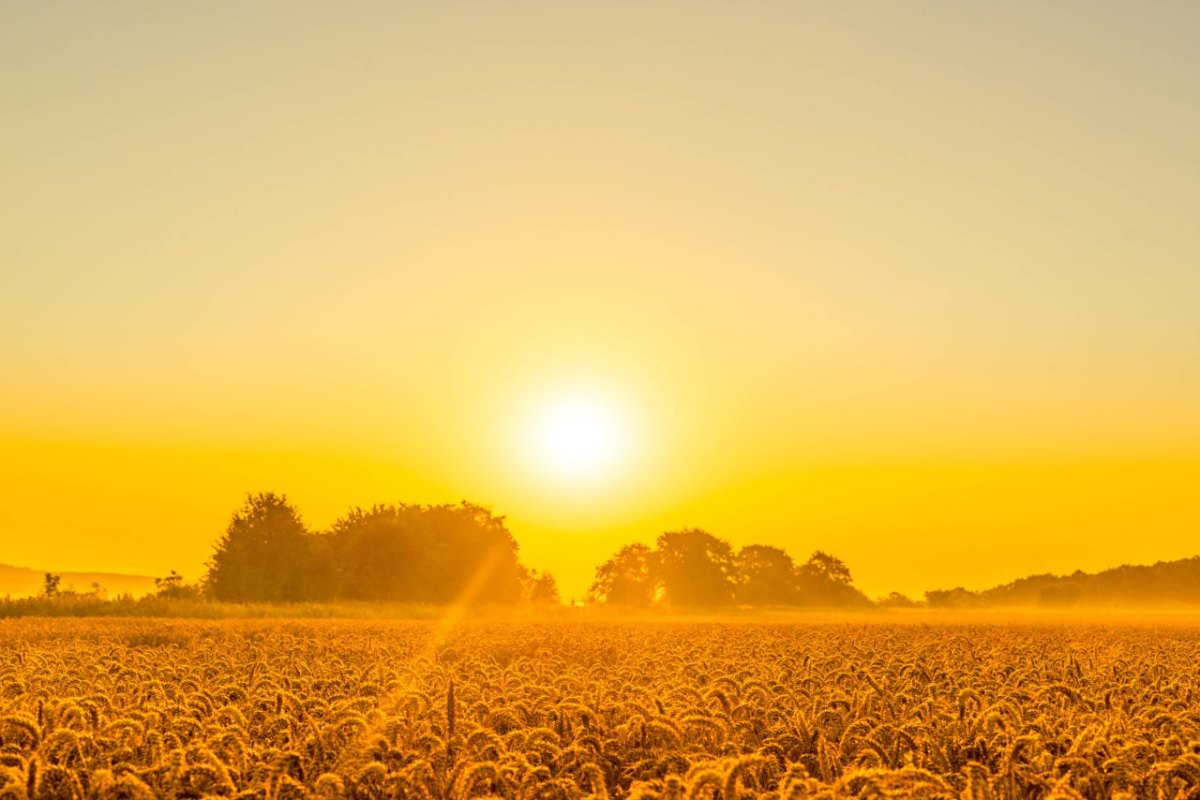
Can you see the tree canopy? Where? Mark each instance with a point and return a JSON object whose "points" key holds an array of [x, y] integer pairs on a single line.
{"points": [[263, 553], [627, 579], [435, 554], [695, 569], [692, 568], [431, 554]]}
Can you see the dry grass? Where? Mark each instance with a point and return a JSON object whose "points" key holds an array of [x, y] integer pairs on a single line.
{"points": [[130, 709]]}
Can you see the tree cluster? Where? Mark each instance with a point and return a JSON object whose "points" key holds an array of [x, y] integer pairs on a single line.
{"points": [[435, 554], [1163, 583], [694, 569]]}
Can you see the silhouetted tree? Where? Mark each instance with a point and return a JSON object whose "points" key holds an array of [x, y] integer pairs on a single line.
{"points": [[1165, 582], [626, 579], [896, 600], [823, 567], [473, 555], [542, 588], [318, 579], [377, 555], [1060, 596], [953, 598], [173, 586], [696, 569], [263, 554], [765, 576], [430, 554], [50, 584], [692, 568], [168, 583], [824, 580]]}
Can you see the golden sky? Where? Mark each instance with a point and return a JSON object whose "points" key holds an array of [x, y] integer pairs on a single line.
{"points": [[918, 284]]}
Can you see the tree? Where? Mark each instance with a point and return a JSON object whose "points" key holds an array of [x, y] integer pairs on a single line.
{"points": [[50, 584], [318, 580], [263, 553], [377, 555], [472, 555], [957, 597], [543, 589], [172, 586], [765, 576], [168, 583], [696, 569], [691, 568], [824, 567], [428, 554], [824, 580], [626, 579], [896, 600]]}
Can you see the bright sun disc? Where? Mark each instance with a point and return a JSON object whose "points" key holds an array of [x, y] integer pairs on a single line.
{"points": [[577, 438]]}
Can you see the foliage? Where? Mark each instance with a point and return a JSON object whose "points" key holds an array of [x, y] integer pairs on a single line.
{"points": [[1155, 584], [824, 580], [766, 576], [692, 569], [154, 606], [263, 554], [1164, 584], [424, 554], [695, 569], [627, 579], [174, 587], [896, 600], [542, 589], [823, 568], [432, 554], [956, 598]]}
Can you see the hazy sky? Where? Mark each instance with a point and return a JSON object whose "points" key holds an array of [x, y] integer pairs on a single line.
{"points": [[915, 283]]}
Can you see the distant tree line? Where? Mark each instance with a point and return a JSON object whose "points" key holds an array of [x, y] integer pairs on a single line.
{"points": [[464, 554], [1163, 583], [430, 554], [692, 568], [444, 554]]}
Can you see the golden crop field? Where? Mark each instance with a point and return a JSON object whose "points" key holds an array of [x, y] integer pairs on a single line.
{"points": [[364, 709]]}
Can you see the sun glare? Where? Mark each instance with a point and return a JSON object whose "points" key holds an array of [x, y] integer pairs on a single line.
{"points": [[577, 438]]}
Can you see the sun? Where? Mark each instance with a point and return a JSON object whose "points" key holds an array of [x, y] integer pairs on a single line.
{"points": [[577, 437]]}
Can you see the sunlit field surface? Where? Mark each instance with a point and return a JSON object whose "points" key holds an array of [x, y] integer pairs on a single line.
{"points": [[370, 709]]}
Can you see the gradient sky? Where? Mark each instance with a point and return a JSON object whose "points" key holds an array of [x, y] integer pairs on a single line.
{"points": [[917, 284]]}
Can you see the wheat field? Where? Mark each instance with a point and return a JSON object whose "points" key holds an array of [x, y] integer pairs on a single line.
{"points": [[569, 709]]}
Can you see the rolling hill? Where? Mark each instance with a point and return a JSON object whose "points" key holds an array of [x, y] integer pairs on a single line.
{"points": [[1166, 583], [27, 582]]}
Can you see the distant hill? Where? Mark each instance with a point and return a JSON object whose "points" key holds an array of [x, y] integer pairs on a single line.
{"points": [[26, 582], [1165, 583]]}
